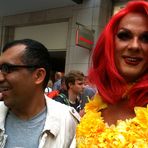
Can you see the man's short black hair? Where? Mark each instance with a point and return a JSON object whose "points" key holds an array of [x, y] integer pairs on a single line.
{"points": [[35, 54]]}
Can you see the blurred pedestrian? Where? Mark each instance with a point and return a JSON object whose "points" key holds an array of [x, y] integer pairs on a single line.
{"points": [[74, 81], [57, 83]]}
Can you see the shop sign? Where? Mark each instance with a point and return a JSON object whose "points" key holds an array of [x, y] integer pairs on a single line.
{"points": [[84, 37]]}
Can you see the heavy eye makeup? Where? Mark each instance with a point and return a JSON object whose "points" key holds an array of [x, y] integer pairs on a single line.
{"points": [[124, 35], [144, 37]]}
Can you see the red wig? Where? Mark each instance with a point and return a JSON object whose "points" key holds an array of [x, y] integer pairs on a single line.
{"points": [[103, 73]]}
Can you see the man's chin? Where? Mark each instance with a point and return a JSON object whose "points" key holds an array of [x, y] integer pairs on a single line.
{"points": [[1, 97], [6, 102]]}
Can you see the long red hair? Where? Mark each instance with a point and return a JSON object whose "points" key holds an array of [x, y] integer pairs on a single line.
{"points": [[103, 73]]}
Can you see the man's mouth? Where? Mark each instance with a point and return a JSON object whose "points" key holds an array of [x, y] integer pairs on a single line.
{"points": [[2, 89]]}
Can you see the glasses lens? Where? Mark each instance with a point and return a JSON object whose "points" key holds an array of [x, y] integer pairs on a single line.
{"points": [[8, 68], [5, 68]]}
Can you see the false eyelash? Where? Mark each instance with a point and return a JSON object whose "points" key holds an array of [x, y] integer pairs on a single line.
{"points": [[123, 36], [144, 38]]}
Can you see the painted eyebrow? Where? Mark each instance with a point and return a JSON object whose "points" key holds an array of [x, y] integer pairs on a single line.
{"points": [[127, 30], [123, 29]]}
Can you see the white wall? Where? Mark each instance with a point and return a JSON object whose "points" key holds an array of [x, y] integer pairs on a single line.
{"points": [[53, 36], [93, 14]]}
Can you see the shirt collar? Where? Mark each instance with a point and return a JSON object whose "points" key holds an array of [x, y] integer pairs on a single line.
{"points": [[52, 123]]}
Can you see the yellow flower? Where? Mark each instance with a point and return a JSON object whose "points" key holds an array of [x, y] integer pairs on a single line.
{"points": [[92, 132], [142, 117], [95, 104]]}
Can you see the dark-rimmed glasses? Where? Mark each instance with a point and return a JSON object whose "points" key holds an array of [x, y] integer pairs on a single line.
{"points": [[8, 68]]}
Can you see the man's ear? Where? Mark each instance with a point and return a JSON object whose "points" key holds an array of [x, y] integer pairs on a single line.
{"points": [[39, 75], [70, 85]]}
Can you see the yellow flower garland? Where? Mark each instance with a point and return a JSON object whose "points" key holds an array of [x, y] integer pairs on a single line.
{"points": [[92, 132]]}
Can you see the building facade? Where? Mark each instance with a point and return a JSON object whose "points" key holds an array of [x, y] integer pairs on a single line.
{"points": [[56, 29]]}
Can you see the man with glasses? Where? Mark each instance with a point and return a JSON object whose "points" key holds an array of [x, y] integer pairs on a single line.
{"points": [[28, 118]]}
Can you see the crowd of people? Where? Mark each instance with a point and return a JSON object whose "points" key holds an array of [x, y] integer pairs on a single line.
{"points": [[73, 90], [106, 108]]}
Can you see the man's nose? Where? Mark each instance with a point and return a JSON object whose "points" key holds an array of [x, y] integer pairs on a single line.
{"points": [[83, 86], [1, 76]]}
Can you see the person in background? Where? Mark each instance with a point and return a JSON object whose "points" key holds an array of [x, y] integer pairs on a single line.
{"points": [[48, 89], [74, 81], [63, 85], [88, 93], [54, 93], [57, 83], [118, 114], [28, 118]]}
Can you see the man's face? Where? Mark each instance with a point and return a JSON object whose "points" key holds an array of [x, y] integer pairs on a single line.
{"points": [[16, 86], [78, 87]]}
